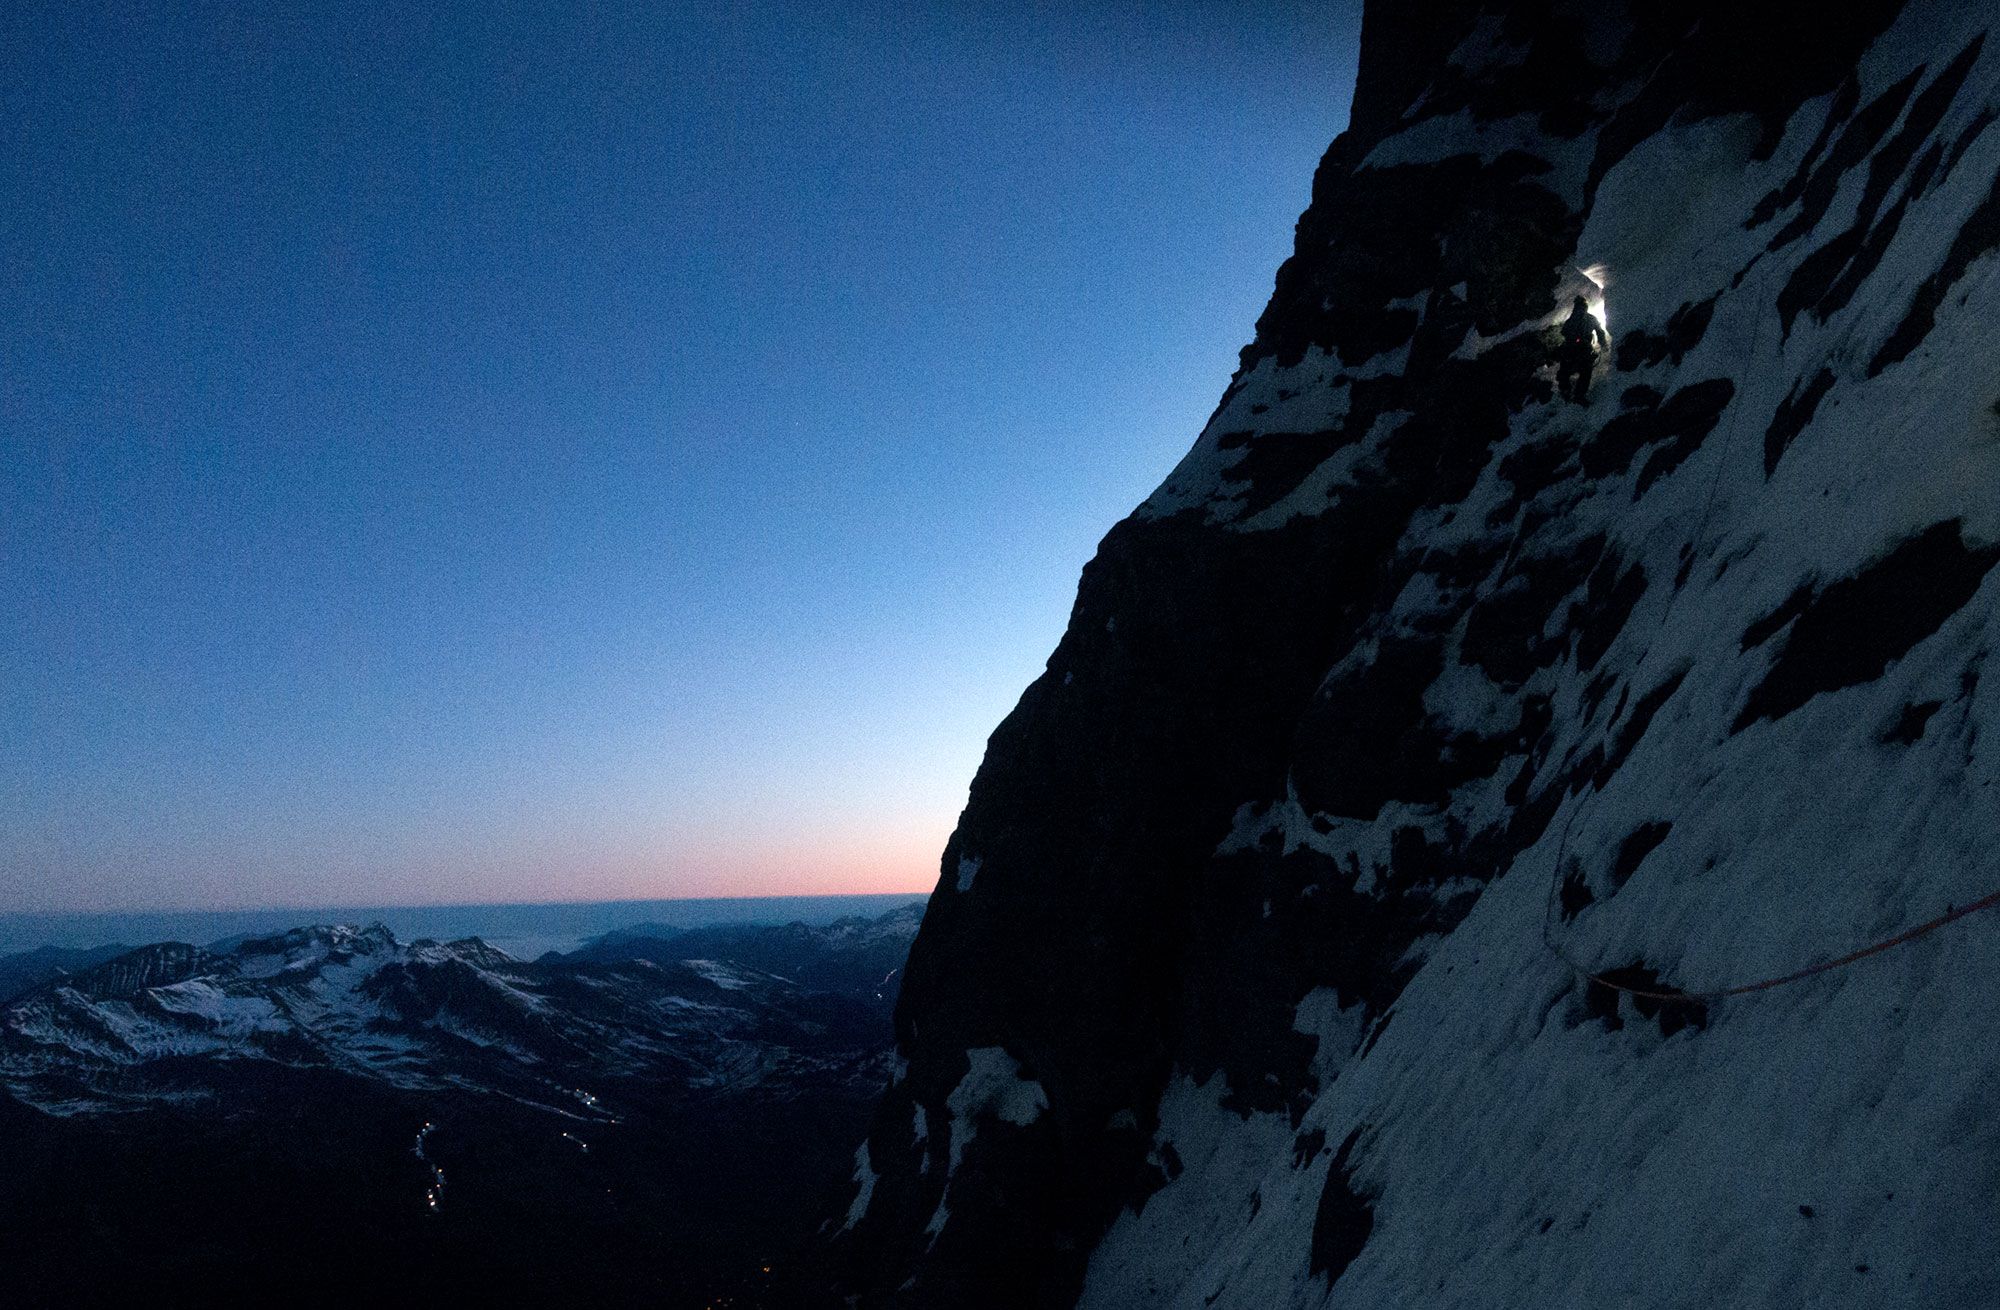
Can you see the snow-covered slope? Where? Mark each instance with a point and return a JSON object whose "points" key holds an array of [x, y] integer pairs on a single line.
{"points": [[1413, 691], [170, 1022]]}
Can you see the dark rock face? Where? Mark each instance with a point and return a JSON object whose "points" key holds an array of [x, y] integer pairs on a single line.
{"points": [[1848, 632], [1650, 999], [1793, 415], [1085, 1000], [1344, 1221], [1399, 631], [1979, 236]]}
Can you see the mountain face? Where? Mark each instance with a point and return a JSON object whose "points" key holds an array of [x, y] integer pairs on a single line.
{"points": [[1257, 971], [333, 1112]]}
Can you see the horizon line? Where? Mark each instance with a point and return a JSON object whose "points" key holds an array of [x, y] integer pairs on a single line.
{"points": [[454, 905]]}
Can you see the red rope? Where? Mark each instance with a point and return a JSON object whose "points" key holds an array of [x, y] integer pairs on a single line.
{"points": [[1908, 935]]}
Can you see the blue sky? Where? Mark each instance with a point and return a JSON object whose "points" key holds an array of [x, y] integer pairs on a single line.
{"points": [[546, 452]]}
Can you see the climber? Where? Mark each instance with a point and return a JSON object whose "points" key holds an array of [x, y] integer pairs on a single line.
{"points": [[1576, 357]]}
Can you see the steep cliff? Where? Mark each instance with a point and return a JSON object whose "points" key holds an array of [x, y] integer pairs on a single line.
{"points": [[1256, 972]]}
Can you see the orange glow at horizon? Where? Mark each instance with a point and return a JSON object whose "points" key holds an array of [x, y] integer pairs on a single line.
{"points": [[566, 863], [793, 864]]}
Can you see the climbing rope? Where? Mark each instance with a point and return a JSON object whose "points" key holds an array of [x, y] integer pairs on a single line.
{"points": [[1596, 978], [1986, 902]]}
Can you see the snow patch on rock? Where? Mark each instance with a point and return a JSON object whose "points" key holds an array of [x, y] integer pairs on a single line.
{"points": [[864, 1182]]}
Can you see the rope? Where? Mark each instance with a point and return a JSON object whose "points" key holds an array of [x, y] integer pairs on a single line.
{"points": [[1951, 915], [1986, 902]]}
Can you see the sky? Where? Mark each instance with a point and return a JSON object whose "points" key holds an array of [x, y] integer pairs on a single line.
{"points": [[546, 452]]}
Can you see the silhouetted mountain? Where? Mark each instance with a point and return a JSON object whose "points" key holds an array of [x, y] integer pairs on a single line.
{"points": [[24, 970]]}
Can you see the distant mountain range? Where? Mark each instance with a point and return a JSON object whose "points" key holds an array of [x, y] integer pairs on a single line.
{"points": [[688, 1098], [857, 955], [776, 1009], [525, 931]]}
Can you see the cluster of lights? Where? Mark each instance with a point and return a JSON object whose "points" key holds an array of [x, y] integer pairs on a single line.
{"points": [[434, 1194], [723, 1302]]}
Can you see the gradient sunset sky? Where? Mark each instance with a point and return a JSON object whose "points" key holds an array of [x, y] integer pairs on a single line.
{"points": [[588, 451]]}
